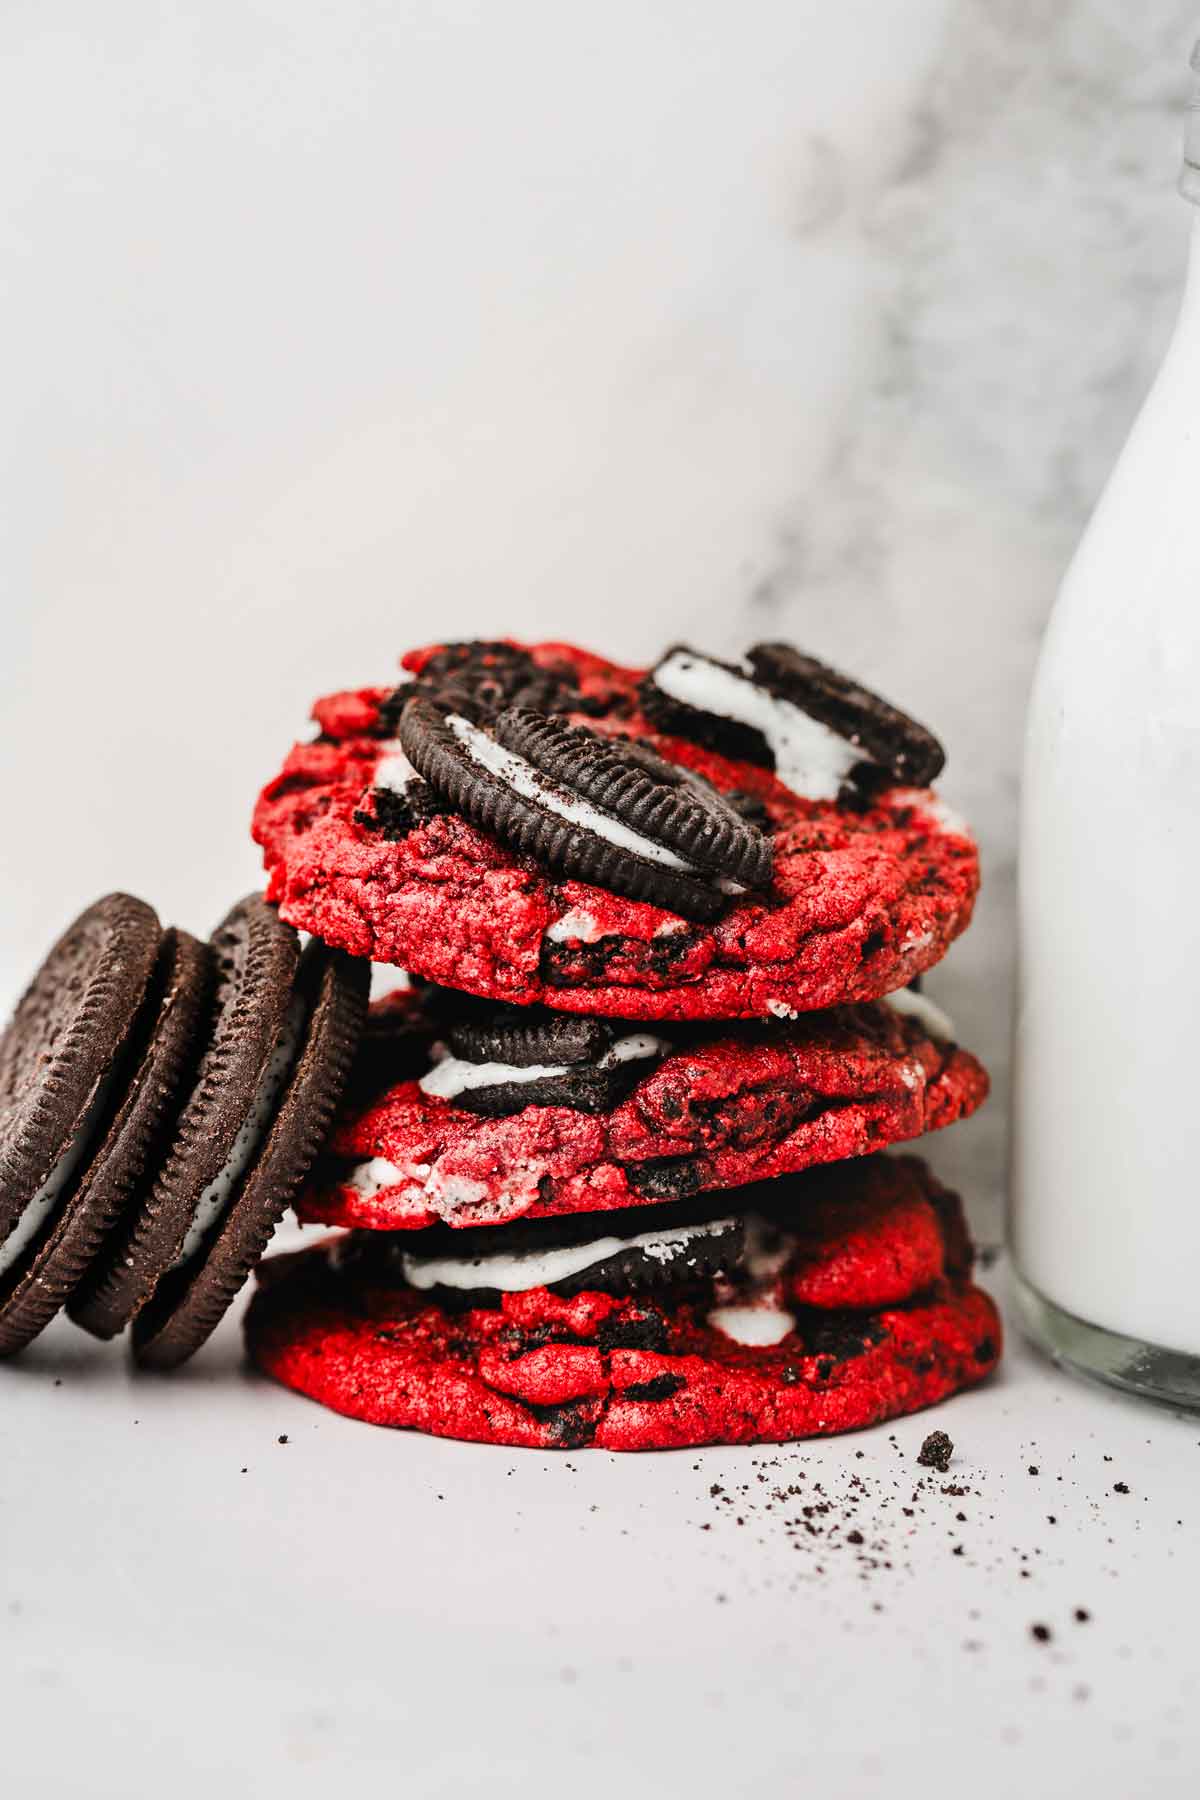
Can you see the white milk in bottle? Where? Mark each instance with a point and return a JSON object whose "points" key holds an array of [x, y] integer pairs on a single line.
{"points": [[1105, 1221]]}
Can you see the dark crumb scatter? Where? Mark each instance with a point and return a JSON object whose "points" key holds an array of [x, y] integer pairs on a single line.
{"points": [[855, 1537], [1041, 1632], [282, 1438], [936, 1451], [1120, 1487], [1082, 1615], [1033, 1469]]}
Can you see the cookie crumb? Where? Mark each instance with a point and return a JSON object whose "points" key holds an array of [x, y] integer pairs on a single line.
{"points": [[1042, 1633], [282, 1438], [936, 1451]]}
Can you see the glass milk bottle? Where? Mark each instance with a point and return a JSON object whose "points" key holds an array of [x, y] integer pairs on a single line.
{"points": [[1105, 1219]]}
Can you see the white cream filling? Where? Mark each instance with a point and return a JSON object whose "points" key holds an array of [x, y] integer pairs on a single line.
{"points": [[216, 1198], [755, 1326], [540, 1268], [927, 1012], [453, 1075], [393, 770], [531, 784], [37, 1214], [370, 1178], [577, 924], [809, 758]]}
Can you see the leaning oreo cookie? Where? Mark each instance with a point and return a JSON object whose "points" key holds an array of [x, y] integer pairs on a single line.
{"points": [[820, 731], [162, 1050], [500, 1060], [62, 1069], [241, 1143], [271, 1154], [597, 809]]}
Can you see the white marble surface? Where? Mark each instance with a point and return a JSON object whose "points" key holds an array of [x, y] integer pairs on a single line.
{"points": [[333, 328], [189, 1606]]}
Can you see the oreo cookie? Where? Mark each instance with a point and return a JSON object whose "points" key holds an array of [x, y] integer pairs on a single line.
{"points": [[634, 1251], [270, 1064], [270, 1156], [823, 734], [499, 1060], [87, 1067], [600, 810]]}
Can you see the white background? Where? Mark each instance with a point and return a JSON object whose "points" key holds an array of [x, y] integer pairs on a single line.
{"points": [[328, 329]]}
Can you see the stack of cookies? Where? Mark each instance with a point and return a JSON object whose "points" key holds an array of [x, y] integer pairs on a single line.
{"points": [[609, 1167]]}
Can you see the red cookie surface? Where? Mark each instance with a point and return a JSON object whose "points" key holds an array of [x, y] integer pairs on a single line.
{"points": [[739, 1104], [639, 1374], [862, 901]]}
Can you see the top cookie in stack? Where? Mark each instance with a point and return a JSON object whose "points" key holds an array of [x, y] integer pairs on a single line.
{"points": [[704, 840]]}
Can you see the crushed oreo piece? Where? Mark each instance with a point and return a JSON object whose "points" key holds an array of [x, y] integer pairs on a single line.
{"points": [[661, 1387], [395, 813], [936, 1451], [479, 679]]}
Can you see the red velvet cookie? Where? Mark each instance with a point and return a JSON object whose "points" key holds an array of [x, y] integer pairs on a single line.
{"points": [[830, 1336], [718, 1107], [871, 883]]}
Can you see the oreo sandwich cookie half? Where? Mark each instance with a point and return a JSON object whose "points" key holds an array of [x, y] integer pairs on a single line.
{"points": [[602, 810], [819, 730], [542, 856], [282, 1036], [135, 1111], [518, 1118], [826, 1302]]}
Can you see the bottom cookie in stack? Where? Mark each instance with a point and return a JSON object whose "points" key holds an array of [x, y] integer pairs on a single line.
{"points": [[793, 1308]]}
